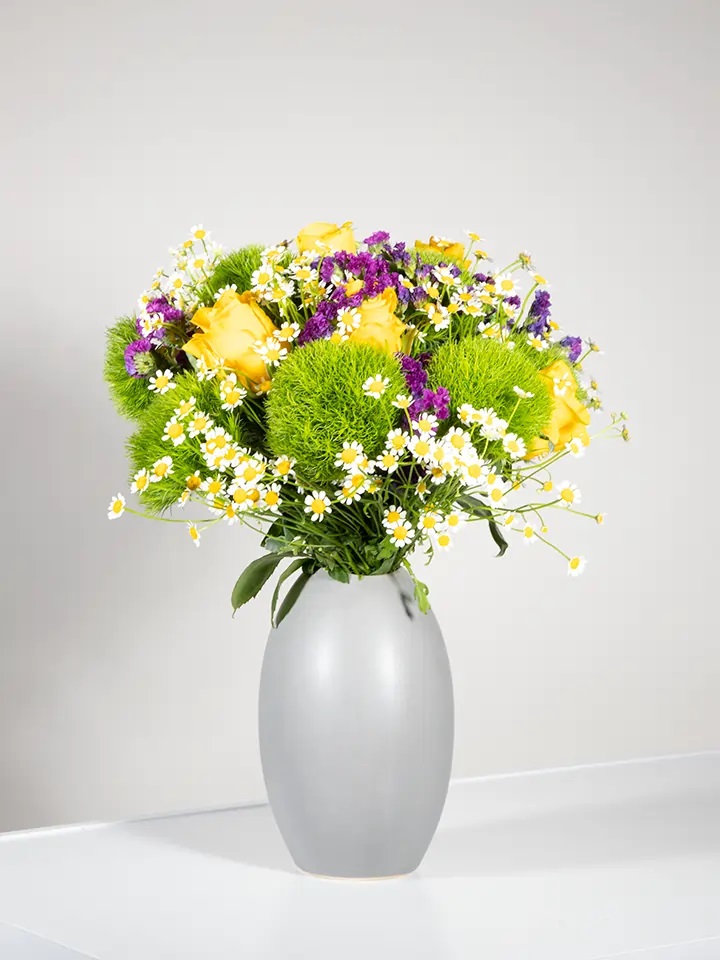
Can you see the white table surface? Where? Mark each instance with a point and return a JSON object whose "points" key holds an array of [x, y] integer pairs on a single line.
{"points": [[614, 861]]}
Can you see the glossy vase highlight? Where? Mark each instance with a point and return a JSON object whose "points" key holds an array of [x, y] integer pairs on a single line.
{"points": [[356, 727]]}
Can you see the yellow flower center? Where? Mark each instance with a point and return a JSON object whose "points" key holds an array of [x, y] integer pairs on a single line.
{"points": [[393, 516], [400, 533], [528, 533], [429, 522], [199, 424], [496, 494], [271, 498], [388, 460], [547, 486], [160, 469], [318, 505], [458, 441], [348, 455], [283, 467], [232, 396], [161, 382], [117, 506], [193, 483], [474, 471], [175, 430], [575, 563], [142, 481], [443, 540], [193, 531], [398, 442], [240, 495], [422, 448], [568, 496], [215, 486], [506, 285], [453, 520]]}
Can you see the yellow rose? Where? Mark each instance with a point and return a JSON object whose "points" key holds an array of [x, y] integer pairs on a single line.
{"points": [[378, 324], [569, 419], [229, 331], [327, 238], [455, 251]]}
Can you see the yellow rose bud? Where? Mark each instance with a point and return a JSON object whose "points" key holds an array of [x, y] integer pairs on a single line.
{"points": [[448, 248], [229, 331], [569, 419], [326, 238], [378, 325]]}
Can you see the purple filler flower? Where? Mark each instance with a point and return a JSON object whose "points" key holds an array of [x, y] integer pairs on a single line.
{"points": [[437, 401], [380, 236], [414, 373], [139, 361], [574, 347], [540, 313], [319, 326]]}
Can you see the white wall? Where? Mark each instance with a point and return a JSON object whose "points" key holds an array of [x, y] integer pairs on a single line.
{"points": [[584, 132]]}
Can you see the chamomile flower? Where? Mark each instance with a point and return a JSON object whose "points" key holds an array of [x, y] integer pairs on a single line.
{"points": [[431, 290], [514, 445], [475, 237], [459, 440], [426, 424], [387, 461], [575, 566], [455, 520], [537, 342], [539, 279], [430, 520], [161, 469], [141, 481], [465, 413], [116, 507], [162, 381], [194, 534], [222, 290], [496, 493], [576, 447], [317, 504], [350, 456], [401, 534], [184, 408], [523, 394], [251, 470], [506, 285], [242, 495], [376, 386], [175, 283], [273, 351], [562, 384], [600, 519], [193, 482], [525, 259], [422, 489], [443, 540], [529, 534], [206, 372], [231, 392], [232, 514], [445, 276], [348, 493], [263, 276], [348, 321], [421, 448], [198, 232], [270, 498], [548, 486], [472, 471], [288, 332], [402, 401], [174, 431], [279, 290], [569, 494], [283, 467], [197, 262], [199, 423], [216, 440], [397, 440], [509, 519], [394, 515], [213, 487], [438, 315]]}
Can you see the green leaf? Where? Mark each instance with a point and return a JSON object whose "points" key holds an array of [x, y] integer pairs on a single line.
{"points": [[287, 572], [291, 596], [339, 574], [254, 577], [422, 596], [498, 538]]}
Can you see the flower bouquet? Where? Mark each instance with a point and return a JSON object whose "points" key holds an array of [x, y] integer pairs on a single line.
{"points": [[354, 404]]}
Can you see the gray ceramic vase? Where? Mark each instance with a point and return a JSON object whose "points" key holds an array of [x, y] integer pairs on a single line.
{"points": [[356, 727]]}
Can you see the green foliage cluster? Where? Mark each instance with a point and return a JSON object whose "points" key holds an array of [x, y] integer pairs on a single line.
{"points": [[129, 394], [235, 268], [483, 372], [317, 402], [146, 445]]}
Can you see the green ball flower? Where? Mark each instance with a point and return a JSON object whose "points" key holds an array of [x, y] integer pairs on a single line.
{"points": [[483, 373], [317, 402]]}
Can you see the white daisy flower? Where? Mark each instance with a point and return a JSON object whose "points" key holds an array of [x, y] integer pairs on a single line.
{"points": [[350, 456], [466, 413], [402, 401], [174, 431], [438, 315], [455, 520], [430, 520], [397, 440], [394, 515], [387, 461], [445, 276], [576, 565], [283, 467], [529, 533], [562, 384], [198, 232], [244, 495], [251, 470], [348, 321], [496, 493], [506, 285], [537, 342], [426, 424], [162, 381], [509, 518], [349, 493], [459, 440], [222, 290], [213, 487], [288, 332], [421, 448], [184, 408], [569, 494], [376, 386], [199, 423], [272, 351], [194, 534], [443, 541], [401, 534], [175, 283], [205, 372], [141, 481], [161, 468], [576, 447], [263, 276], [231, 392], [317, 504], [514, 445], [116, 507]]}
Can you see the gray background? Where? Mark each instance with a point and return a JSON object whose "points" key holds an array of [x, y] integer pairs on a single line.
{"points": [[585, 132]]}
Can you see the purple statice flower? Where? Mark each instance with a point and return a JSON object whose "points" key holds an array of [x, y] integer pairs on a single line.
{"points": [[437, 401], [169, 313], [319, 326], [414, 373], [372, 269], [574, 347], [513, 301], [139, 361], [539, 314], [380, 236], [481, 277]]}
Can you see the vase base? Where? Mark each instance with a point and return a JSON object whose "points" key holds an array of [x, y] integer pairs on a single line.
{"points": [[325, 876]]}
